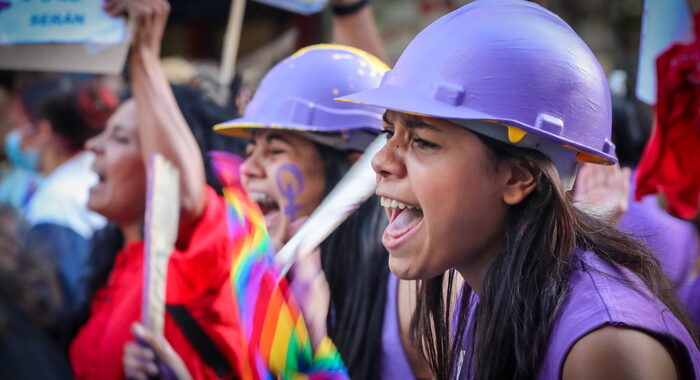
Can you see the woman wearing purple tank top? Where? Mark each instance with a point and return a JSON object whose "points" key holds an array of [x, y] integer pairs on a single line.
{"points": [[490, 110]]}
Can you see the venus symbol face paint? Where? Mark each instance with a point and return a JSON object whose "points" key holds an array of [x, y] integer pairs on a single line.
{"points": [[290, 184], [285, 174]]}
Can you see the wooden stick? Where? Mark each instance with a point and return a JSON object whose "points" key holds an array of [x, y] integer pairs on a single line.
{"points": [[160, 233], [230, 49]]}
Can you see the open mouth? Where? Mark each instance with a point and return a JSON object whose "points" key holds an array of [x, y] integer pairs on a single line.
{"points": [[101, 177], [269, 207], [403, 219]]}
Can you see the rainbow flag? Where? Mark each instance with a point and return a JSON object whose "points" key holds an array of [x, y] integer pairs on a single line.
{"points": [[277, 342]]}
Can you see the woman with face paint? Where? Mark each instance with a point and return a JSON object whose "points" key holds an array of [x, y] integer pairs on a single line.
{"points": [[53, 120], [301, 144], [489, 111], [198, 323]]}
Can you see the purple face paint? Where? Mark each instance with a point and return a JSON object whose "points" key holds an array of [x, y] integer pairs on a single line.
{"points": [[290, 184]]}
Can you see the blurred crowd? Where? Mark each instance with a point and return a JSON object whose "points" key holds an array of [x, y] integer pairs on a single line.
{"points": [[73, 193]]}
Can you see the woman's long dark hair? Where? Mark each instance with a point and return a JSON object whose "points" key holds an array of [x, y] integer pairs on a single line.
{"points": [[356, 266], [527, 282]]}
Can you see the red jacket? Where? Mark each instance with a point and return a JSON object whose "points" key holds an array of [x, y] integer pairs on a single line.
{"points": [[198, 278]]}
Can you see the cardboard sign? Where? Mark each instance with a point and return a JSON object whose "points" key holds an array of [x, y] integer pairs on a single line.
{"points": [[61, 35], [68, 21], [160, 234], [664, 23], [72, 58], [304, 7]]}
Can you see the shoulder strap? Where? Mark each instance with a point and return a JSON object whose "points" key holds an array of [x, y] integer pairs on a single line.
{"points": [[206, 349]]}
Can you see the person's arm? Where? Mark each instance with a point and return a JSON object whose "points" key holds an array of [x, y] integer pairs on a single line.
{"points": [[162, 127], [619, 354], [358, 29]]}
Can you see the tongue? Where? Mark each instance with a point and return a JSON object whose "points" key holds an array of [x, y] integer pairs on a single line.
{"points": [[271, 218], [406, 219]]}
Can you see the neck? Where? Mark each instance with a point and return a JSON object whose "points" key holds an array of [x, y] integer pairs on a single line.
{"points": [[474, 270], [473, 275], [132, 231], [51, 159]]}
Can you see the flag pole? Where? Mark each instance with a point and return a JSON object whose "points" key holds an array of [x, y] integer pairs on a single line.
{"points": [[230, 48]]}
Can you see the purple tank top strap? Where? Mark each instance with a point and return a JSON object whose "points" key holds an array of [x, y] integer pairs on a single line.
{"points": [[394, 364], [600, 294]]}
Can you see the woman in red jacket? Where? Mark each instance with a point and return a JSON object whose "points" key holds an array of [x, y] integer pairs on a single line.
{"points": [[198, 305]]}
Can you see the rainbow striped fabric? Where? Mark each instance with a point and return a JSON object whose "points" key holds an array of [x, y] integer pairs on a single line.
{"points": [[277, 342]]}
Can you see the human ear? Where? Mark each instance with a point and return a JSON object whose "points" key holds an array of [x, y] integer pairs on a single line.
{"points": [[520, 182]]}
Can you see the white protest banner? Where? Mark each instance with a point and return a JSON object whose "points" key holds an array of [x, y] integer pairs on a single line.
{"points": [[304, 7], [41, 21], [61, 35]]}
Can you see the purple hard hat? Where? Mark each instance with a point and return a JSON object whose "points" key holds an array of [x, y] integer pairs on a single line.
{"points": [[507, 62], [297, 95]]}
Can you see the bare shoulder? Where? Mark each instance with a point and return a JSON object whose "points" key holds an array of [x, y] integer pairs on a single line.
{"points": [[619, 353]]}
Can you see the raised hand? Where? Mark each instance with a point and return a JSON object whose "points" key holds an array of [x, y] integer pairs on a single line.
{"points": [[603, 190], [149, 16]]}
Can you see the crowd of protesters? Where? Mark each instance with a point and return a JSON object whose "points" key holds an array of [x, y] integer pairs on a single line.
{"points": [[504, 240]]}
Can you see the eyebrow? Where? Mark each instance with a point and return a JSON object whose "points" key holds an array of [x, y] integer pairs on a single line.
{"points": [[412, 122], [270, 138], [274, 136], [385, 118]]}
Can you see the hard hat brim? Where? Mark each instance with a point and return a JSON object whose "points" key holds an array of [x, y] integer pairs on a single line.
{"points": [[241, 127], [403, 100]]}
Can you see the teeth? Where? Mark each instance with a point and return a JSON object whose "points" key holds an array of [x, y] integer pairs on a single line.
{"points": [[260, 198], [391, 203]]}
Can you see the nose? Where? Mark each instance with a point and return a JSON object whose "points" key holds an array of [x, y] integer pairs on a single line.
{"points": [[251, 168], [93, 144], [388, 162]]}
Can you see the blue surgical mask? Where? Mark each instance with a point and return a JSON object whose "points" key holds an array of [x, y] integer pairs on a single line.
{"points": [[26, 159]]}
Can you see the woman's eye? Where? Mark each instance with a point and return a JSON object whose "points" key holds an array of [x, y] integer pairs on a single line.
{"points": [[389, 133], [424, 144], [120, 139]]}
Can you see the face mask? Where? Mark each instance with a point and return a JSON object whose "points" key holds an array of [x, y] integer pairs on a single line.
{"points": [[28, 159]]}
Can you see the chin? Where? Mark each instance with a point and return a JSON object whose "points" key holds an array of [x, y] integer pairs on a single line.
{"points": [[402, 269], [95, 206]]}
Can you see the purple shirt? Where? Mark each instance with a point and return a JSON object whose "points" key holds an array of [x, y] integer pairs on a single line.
{"points": [[690, 296], [599, 295], [674, 241], [394, 364]]}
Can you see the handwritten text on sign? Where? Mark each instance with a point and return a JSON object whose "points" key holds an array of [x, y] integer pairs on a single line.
{"points": [[68, 21]]}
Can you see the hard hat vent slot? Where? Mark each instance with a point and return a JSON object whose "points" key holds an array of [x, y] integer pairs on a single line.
{"points": [[608, 147], [448, 93], [549, 123], [301, 111]]}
